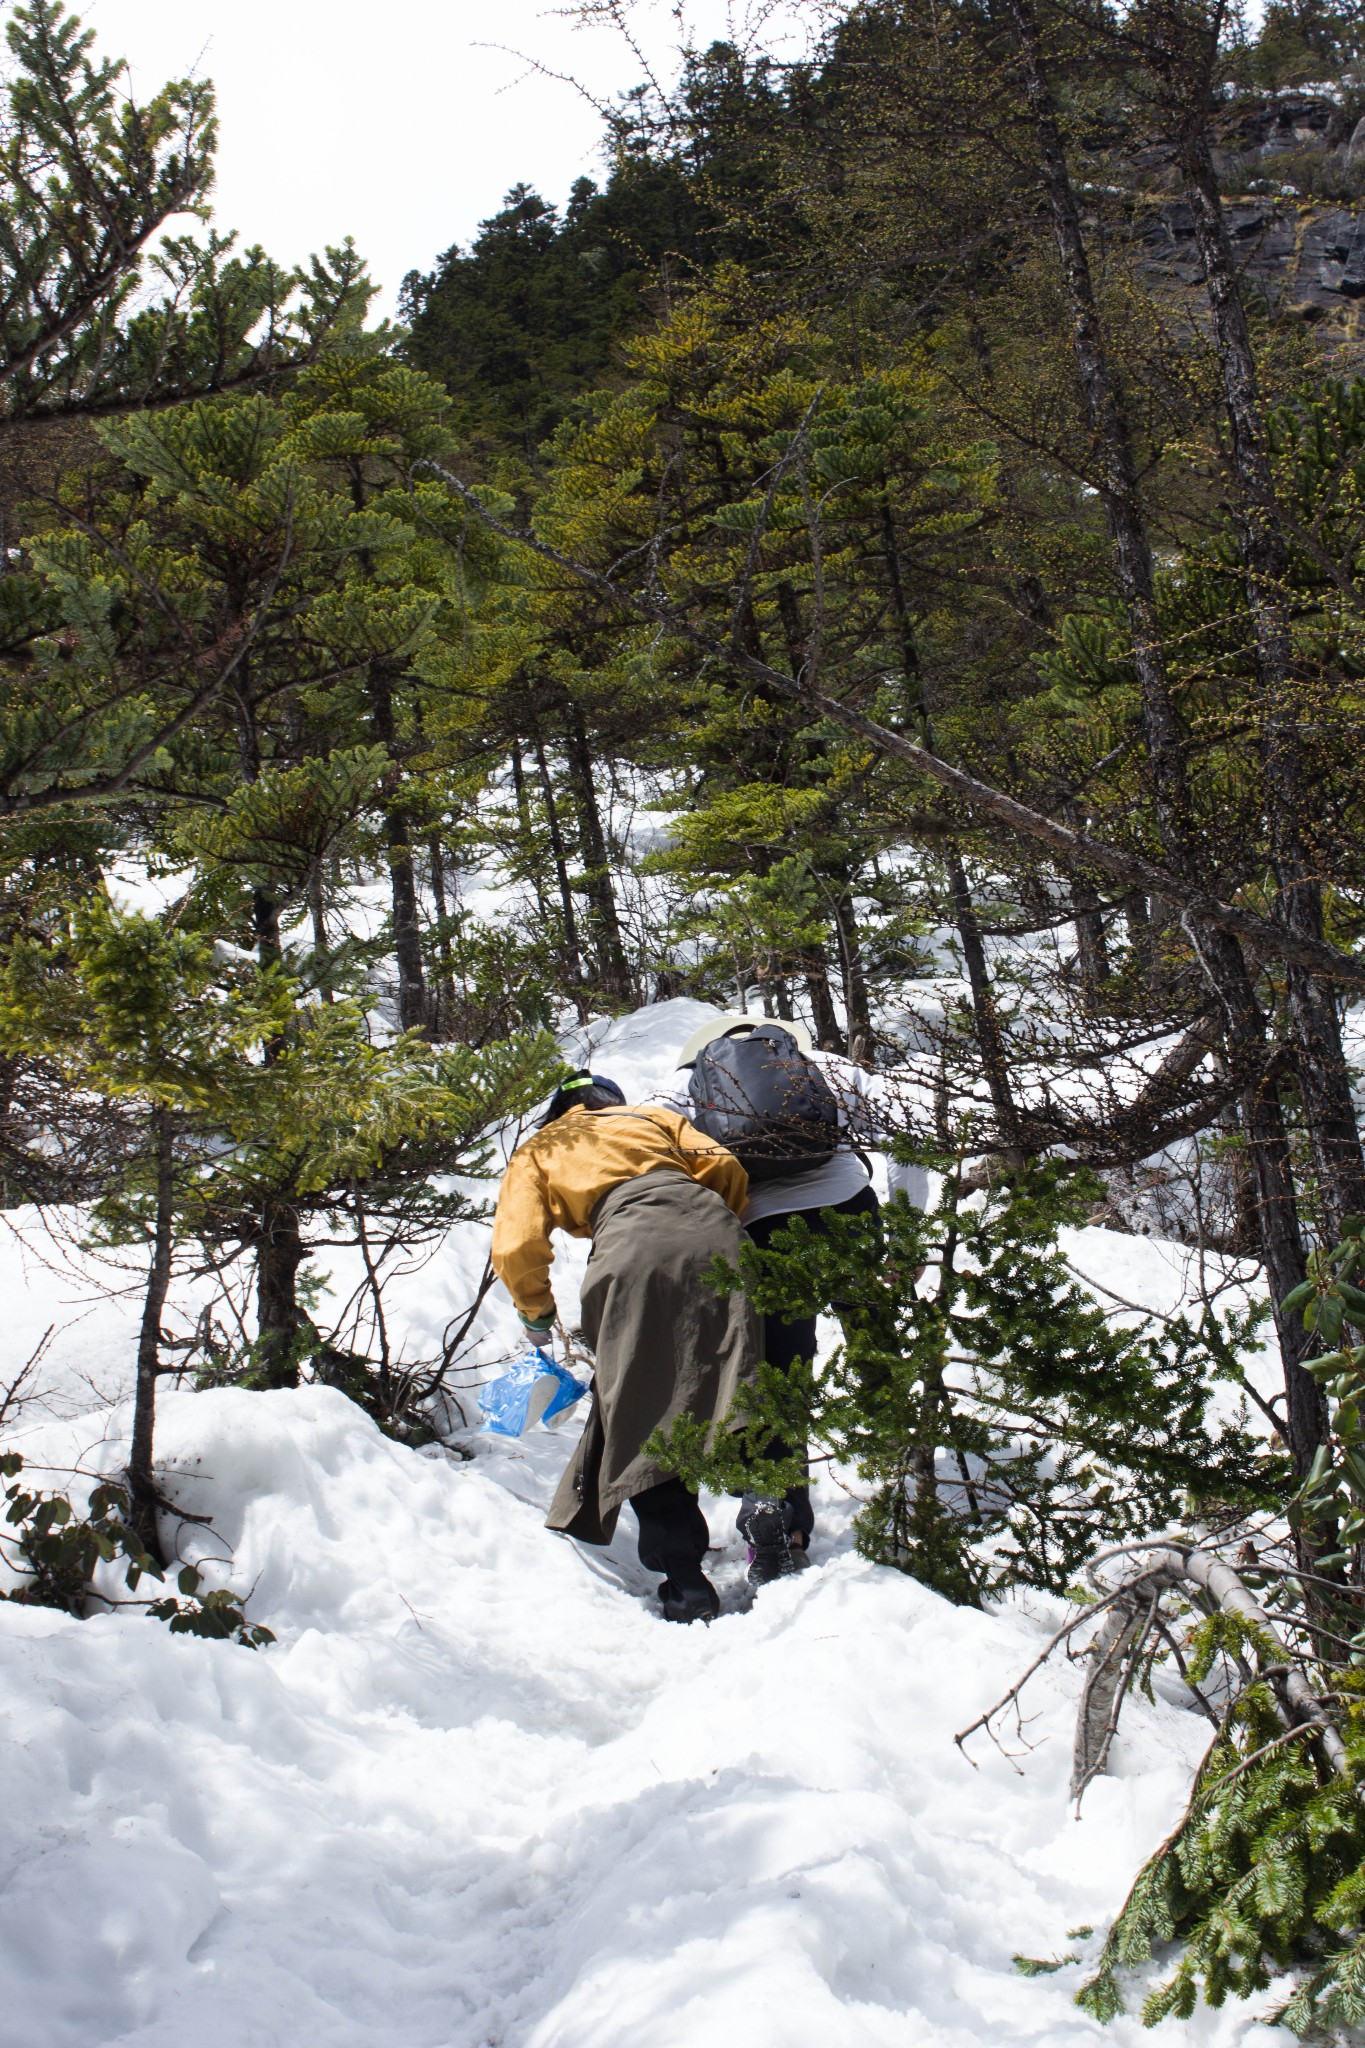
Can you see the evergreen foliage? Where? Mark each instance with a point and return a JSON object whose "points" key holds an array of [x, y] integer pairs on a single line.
{"points": [[1002, 1425], [285, 1111], [55, 1554], [537, 311], [1265, 1873], [89, 177]]}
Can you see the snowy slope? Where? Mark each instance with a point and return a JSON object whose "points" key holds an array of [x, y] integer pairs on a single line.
{"points": [[480, 1796]]}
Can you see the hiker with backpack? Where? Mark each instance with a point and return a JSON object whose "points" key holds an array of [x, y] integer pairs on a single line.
{"points": [[793, 1117], [661, 1202]]}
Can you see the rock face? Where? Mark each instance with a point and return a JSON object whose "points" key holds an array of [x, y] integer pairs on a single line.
{"points": [[1292, 166], [1303, 257], [1284, 123]]}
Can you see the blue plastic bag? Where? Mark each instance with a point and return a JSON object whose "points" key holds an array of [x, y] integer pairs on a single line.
{"points": [[535, 1389]]}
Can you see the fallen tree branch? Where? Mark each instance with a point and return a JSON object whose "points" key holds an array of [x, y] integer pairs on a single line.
{"points": [[1113, 1654], [1297, 1698], [1133, 1608], [1068, 1628]]}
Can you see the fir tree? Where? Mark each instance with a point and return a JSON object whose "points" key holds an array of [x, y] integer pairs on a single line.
{"points": [[1001, 1424], [89, 179]]}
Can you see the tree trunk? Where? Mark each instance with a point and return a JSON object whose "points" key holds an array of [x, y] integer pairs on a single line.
{"points": [[612, 965], [794, 634], [1277, 1216], [1118, 485], [407, 922], [10, 1195], [985, 1017], [265, 907], [1239, 1193], [141, 1474], [1325, 1091], [857, 1006], [318, 918], [573, 952], [1092, 955], [527, 829], [1087, 915], [990, 1043], [1219, 953], [275, 1225], [265, 924], [1138, 922], [1324, 1079], [278, 1238], [442, 1023], [279, 1319], [824, 1017]]}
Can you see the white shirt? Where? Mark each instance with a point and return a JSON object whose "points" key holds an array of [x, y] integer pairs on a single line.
{"points": [[857, 1093]]}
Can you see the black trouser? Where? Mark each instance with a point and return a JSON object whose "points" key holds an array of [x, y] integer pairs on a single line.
{"points": [[784, 1342], [673, 1531]]}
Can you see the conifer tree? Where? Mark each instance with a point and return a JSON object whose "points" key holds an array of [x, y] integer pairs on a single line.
{"points": [[223, 540], [1000, 1425], [536, 311], [90, 177], [138, 1010]]}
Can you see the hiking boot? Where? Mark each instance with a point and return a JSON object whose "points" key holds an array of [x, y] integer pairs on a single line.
{"points": [[689, 1597], [765, 1526]]}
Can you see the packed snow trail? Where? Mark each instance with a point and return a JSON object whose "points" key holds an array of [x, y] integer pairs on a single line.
{"points": [[480, 1794]]}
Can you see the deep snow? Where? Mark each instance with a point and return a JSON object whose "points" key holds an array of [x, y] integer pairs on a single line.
{"points": [[480, 1796]]}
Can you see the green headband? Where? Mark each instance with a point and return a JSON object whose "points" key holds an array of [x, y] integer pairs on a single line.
{"points": [[582, 1081]]}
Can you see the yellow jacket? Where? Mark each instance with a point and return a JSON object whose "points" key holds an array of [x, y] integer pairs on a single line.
{"points": [[556, 1179]]}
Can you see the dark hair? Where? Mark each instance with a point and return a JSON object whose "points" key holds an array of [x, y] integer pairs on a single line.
{"points": [[582, 1091]]}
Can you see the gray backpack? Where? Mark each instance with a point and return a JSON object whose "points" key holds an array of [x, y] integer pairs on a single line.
{"points": [[759, 1096]]}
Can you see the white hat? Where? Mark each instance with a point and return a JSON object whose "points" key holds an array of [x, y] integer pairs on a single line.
{"points": [[731, 1024]]}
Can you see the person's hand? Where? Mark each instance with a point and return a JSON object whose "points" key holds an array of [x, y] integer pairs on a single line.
{"points": [[537, 1326]]}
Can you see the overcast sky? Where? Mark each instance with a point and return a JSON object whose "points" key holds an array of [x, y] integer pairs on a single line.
{"points": [[388, 121]]}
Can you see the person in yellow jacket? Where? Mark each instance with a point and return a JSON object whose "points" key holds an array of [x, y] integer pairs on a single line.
{"points": [[660, 1202]]}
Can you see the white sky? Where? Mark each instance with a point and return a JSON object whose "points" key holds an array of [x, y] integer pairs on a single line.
{"points": [[389, 122]]}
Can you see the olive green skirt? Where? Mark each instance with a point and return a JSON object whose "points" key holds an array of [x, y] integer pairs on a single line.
{"points": [[666, 1343]]}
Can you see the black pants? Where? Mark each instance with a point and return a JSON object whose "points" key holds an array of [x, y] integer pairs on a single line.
{"points": [[673, 1531], [784, 1342]]}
